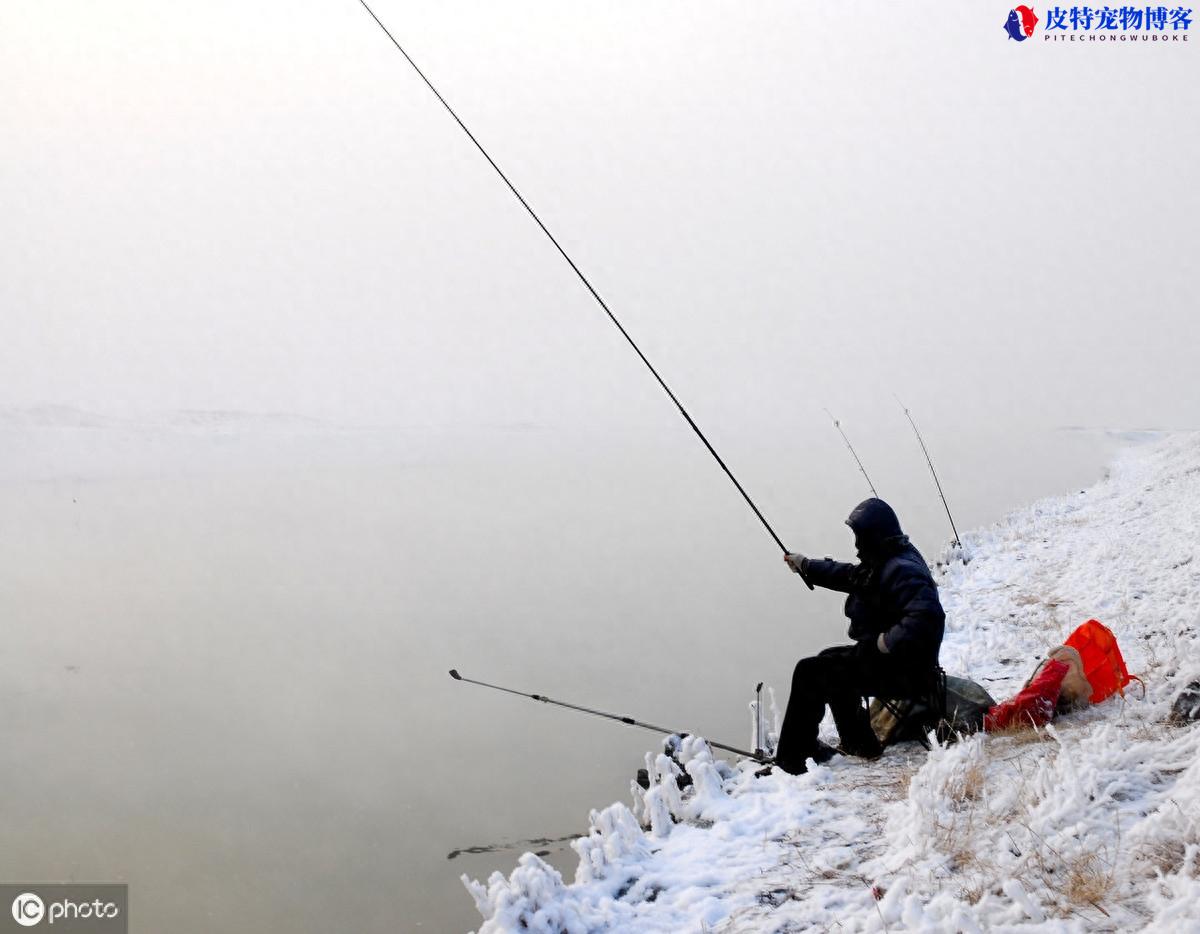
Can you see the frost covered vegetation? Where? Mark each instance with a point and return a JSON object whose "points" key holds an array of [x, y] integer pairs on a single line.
{"points": [[1091, 824]]}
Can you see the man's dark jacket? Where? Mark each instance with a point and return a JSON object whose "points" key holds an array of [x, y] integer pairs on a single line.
{"points": [[890, 592]]}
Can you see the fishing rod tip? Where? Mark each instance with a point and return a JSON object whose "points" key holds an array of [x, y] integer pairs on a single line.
{"points": [[455, 675]]}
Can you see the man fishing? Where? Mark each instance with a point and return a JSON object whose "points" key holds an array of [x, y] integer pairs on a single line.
{"points": [[893, 606], [896, 621]]}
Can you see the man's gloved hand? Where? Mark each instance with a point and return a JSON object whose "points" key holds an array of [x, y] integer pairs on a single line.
{"points": [[797, 563]]}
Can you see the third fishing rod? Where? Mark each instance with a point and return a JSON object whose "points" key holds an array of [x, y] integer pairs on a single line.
{"points": [[929, 461], [582, 278]]}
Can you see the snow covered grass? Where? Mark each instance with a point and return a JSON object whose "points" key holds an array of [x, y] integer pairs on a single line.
{"points": [[1091, 824]]}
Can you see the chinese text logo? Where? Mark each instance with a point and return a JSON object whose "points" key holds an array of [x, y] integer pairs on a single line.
{"points": [[1118, 19]]}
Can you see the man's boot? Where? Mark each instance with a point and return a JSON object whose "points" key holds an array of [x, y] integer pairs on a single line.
{"points": [[822, 753], [857, 737], [862, 747]]}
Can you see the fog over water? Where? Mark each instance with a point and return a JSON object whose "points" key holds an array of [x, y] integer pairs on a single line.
{"points": [[226, 647], [298, 410]]}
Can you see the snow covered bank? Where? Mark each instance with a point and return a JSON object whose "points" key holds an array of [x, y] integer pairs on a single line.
{"points": [[1092, 824]]}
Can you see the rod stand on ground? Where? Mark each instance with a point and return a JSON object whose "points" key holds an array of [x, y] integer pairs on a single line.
{"points": [[758, 723]]}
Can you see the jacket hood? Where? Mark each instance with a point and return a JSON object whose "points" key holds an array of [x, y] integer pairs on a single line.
{"points": [[874, 522]]}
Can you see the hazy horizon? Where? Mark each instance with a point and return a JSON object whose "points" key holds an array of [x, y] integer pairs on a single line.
{"points": [[250, 210]]}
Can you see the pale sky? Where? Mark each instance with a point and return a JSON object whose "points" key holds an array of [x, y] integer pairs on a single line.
{"points": [[258, 206]]}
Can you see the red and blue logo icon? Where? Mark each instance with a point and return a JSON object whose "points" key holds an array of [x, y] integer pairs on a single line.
{"points": [[1020, 23]]}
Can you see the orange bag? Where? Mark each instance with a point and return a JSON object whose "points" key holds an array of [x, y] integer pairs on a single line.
{"points": [[1103, 665]]}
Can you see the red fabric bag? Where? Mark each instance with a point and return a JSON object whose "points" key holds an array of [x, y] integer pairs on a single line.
{"points": [[1103, 665], [1034, 704]]}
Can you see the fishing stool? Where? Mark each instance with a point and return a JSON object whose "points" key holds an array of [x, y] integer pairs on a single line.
{"points": [[915, 714]]}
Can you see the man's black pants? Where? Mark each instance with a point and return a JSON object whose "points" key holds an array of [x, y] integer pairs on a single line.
{"points": [[840, 677]]}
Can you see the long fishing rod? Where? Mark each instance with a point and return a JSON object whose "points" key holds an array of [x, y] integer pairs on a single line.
{"points": [[582, 278], [937, 482], [854, 454], [628, 721]]}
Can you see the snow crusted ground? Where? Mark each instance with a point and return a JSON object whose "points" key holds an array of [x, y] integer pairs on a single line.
{"points": [[1092, 824]]}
